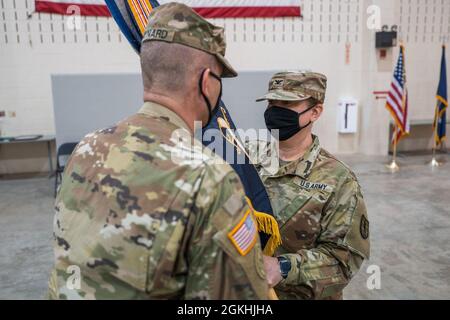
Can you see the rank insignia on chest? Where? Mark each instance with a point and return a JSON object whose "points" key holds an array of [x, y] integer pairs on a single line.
{"points": [[244, 235]]}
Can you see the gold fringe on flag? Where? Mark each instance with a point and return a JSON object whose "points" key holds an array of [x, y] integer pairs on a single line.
{"points": [[267, 224]]}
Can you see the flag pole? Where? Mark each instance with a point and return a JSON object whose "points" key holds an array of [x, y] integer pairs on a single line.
{"points": [[434, 163], [395, 146], [393, 166]]}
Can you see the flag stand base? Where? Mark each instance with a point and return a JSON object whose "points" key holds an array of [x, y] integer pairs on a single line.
{"points": [[393, 166], [434, 163]]}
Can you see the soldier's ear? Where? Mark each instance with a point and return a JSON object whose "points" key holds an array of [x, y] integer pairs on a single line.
{"points": [[317, 112], [204, 80]]}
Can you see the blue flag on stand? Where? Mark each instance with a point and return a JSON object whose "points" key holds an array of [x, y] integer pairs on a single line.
{"points": [[132, 18], [440, 118]]}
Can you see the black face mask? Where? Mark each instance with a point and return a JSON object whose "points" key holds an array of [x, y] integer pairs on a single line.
{"points": [[208, 103], [285, 120]]}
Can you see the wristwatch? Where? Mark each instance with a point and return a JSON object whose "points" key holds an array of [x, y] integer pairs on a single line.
{"points": [[285, 266]]}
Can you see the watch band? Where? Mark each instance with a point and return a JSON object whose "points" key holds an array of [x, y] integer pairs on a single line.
{"points": [[285, 266]]}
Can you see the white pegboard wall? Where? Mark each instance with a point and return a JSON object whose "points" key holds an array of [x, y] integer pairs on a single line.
{"points": [[22, 26], [424, 21], [323, 21]]}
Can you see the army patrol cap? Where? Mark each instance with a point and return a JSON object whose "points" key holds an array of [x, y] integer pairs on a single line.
{"points": [[178, 23], [296, 86]]}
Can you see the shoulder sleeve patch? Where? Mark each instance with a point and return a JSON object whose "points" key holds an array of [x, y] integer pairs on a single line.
{"points": [[244, 235], [364, 227]]}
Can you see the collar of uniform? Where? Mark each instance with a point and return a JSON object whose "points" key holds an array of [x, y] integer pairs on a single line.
{"points": [[155, 109], [302, 167]]}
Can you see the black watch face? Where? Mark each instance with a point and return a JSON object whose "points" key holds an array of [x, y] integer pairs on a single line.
{"points": [[285, 267]]}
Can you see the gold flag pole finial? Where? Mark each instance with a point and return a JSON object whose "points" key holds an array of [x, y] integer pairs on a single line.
{"points": [[223, 124]]}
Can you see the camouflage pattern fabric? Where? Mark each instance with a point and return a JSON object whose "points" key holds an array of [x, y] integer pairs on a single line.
{"points": [[145, 214], [178, 23], [320, 209], [296, 86]]}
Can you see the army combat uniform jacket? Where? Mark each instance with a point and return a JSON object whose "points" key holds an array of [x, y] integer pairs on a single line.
{"points": [[142, 215], [322, 217]]}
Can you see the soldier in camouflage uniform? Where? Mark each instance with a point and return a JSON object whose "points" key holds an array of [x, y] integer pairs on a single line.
{"points": [[316, 198], [144, 211]]}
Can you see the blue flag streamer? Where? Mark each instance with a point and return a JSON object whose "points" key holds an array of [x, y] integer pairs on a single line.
{"points": [[255, 191]]}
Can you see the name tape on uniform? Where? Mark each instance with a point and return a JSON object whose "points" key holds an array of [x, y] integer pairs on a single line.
{"points": [[314, 185], [159, 34]]}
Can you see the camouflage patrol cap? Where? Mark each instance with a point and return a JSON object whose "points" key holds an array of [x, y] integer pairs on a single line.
{"points": [[178, 23], [296, 86]]}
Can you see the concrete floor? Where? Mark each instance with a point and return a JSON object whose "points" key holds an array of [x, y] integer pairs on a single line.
{"points": [[409, 216]]}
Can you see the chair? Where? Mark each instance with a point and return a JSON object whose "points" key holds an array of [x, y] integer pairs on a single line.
{"points": [[64, 151]]}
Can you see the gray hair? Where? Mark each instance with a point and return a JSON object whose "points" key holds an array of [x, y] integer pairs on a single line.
{"points": [[171, 67]]}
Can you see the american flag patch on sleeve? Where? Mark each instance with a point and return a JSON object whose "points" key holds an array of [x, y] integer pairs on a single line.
{"points": [[244, 235]]}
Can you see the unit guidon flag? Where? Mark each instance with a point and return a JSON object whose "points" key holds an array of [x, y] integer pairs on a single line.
{"points": [[206, 8], [440, 117]]}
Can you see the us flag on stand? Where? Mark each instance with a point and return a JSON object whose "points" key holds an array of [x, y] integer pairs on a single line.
{"points": [[397, 101]]}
